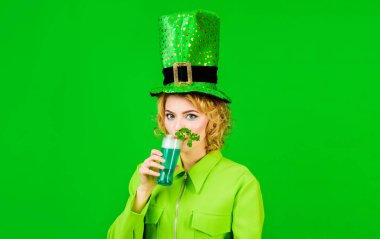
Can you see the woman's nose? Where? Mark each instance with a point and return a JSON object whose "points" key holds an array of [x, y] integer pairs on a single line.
{"points": [[178, 125]]}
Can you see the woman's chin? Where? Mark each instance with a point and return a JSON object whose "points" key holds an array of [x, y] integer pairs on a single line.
{"points": [[185, 147]]}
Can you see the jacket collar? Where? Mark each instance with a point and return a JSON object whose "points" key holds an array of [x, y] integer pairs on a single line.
{"points": [[200, 170]]}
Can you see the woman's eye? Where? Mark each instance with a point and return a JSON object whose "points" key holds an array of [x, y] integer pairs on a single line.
{"points": [[192, 116], [169, 116]]}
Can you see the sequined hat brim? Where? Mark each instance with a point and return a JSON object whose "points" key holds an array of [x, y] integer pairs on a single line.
{"points": [[201, 87]]}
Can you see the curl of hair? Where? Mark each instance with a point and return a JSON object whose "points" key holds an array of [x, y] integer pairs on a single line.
{"points": [[216, 110]]}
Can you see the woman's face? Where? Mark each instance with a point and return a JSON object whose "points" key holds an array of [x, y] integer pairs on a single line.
{"points": [[180, 113]]}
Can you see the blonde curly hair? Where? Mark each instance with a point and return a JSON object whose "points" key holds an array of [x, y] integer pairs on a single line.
{"points": [[216, 110]]}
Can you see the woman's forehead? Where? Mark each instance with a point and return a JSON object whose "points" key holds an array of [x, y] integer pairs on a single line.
{"points": [[176, 103]]}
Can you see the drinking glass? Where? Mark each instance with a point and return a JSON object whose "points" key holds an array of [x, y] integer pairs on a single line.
{"points": [[171, 148]]}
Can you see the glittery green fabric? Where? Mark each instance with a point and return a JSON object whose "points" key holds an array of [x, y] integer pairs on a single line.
{"points": [[190, 37]]}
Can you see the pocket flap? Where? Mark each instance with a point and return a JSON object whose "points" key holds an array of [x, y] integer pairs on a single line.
{"points": [[211, 224], [153, 214]]}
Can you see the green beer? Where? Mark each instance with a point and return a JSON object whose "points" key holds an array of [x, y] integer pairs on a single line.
{"points": [[171, 148]]}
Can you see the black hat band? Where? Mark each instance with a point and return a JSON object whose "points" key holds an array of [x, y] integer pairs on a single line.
{"points": [[199, 74]]}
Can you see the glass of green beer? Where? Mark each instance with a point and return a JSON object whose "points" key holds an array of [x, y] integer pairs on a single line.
{"points": [[171, 148]]}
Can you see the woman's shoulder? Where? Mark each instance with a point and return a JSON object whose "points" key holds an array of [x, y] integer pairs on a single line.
{"points": [[235, 169]]}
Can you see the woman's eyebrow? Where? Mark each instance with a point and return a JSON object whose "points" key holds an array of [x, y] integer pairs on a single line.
{"points": [[184, 111]]}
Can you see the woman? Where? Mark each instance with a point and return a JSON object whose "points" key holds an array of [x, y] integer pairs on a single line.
{"points": [[211, 196]]}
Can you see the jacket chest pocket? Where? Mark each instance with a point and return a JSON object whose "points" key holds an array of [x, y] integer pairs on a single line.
{"points": [[213, 226], [151, 220]]}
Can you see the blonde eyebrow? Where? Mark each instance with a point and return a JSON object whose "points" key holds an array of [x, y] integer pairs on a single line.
{"points": [[188, 111]]}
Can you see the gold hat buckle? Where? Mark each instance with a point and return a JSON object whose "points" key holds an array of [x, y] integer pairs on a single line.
{"points": [[189, 73]]}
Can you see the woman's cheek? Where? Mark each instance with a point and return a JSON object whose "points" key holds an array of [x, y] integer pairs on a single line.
{"points": [[168, 129]]}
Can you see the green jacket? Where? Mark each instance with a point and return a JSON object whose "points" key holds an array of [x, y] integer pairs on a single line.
{"points": [[216, 198]]}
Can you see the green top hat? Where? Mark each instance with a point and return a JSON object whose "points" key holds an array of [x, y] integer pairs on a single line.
{"points": [[189, 44]]}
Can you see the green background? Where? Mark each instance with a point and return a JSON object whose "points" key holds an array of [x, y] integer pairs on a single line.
{"points": [[76, 117]]}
